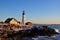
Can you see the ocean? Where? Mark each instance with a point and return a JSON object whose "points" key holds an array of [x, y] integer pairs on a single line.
{"points": [[54, 37]]}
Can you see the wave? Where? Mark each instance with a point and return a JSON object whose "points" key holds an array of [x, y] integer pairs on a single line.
{"points": [[56, 37]]}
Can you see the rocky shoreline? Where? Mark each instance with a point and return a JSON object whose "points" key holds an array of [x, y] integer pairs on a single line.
{"points": [[44, 31], [35, 32]]}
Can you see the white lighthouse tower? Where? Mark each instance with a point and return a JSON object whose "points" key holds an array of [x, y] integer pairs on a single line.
{"points": [[23, 18]]}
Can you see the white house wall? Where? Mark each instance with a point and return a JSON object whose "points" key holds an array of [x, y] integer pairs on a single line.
{"points": [[13, 22]]}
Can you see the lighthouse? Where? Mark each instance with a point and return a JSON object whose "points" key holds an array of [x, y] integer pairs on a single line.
{"points": [[23, 17]]}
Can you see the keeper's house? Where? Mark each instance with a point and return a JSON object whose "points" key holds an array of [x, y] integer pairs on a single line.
{"points": [[12, 21]]}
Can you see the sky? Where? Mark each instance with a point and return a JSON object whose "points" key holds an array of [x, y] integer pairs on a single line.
{"points": [[36, 11]]}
